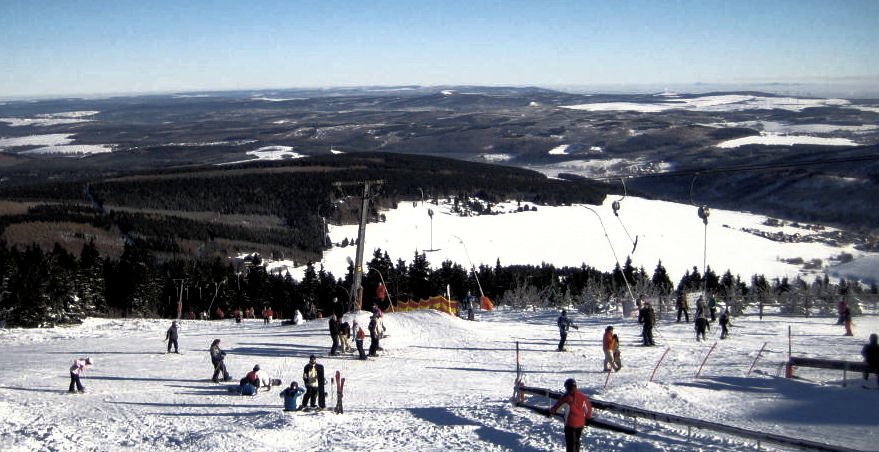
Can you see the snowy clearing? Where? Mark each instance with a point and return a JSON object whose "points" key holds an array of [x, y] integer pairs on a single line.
{"points": [[72, 150], [730, 102], [572, 236], [441, 383], [773, 139], [52, 139], [51, 119]]}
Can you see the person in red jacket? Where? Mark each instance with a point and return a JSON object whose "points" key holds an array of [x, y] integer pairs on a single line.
{"points": [[578, 416]]}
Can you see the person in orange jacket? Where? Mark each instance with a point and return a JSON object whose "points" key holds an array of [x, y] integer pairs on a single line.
{"points": [[578, 416], [608, 345]]}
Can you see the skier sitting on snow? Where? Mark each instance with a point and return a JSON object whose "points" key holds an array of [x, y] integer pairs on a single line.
{"points": [[564, 323], [251, 382], [76, 371], [291, 396]]}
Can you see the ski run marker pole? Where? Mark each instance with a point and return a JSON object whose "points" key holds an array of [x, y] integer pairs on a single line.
{"points": [[706, 359], [658, 363], [754, 363]]}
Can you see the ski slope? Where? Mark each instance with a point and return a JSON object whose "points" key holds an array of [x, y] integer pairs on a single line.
{"points": [[442, 383]]}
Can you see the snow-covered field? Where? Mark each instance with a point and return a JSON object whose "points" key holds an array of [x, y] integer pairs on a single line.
{"points": [[51, 119], [572, 236], [729, 102], [440, 384], [774, 139]]}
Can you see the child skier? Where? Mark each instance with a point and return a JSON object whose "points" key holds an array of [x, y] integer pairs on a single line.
{"points": [[701, 327], [250, 384], [217, 359], [171, 337], [359, 335], [291, 396], [608, 344], [617, 359], [76, 371], [724, 324]]}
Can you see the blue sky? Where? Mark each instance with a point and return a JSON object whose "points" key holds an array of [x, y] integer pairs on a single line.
{"points": [[79, 47]]}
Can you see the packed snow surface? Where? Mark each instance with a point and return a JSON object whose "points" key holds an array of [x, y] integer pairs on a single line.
{"points": [[767, 138], [441, 383], [574, 235]]}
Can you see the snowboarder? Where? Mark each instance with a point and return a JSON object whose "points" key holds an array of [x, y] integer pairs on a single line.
{"points": [[344, 334], [334, 334], [847, 320], [608, 345], [373, 335], [358, 339], [701, 327], [724, 324], [647, 317], [250, 384], [683, 308], [291, 396], [870, 352], [564, 324], [217, 359], [578, 416], [313, 376], [76, 371], [171, 337]]}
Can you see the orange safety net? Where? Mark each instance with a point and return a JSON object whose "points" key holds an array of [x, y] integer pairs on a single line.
{"points": [[440, 304], [487, 305]]}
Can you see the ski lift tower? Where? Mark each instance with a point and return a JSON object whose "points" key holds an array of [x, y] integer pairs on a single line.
{"points": [[355, 296]]}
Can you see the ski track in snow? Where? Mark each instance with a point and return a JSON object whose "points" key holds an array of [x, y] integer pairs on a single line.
{"points": [[442, 383]]}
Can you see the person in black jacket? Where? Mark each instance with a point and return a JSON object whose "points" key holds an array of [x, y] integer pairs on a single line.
{"points": [[870, 352], [313, 376], [374, 335], [217, 359], [701, 327], [647, 317], [171, 337], [334, 334]]}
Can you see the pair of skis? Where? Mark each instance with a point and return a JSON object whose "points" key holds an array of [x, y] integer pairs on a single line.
{"points": [[340, 385]]}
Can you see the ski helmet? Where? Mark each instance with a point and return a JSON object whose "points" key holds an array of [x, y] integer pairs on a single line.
{"points": [[89, 361], [256, 368], [570, 384]]}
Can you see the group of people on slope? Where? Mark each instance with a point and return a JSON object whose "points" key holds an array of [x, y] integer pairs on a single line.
{"points": [[340, 333]]}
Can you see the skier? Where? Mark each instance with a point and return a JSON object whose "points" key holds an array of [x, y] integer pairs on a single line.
{"points": [[76, 371], [373, 335], [647, 317], [344, 334], [840, 308], [724, 324], [469, 300], [578, 416], [217, 359], [291, 396], [608, 345], [700, 307], [334, 334], [847, 320], [564, 324], [251, 382], [701, 327], [683, 308], [313, 376], [358, 339], [870, 352], [712, 307], [380, 320], [171, 337]]}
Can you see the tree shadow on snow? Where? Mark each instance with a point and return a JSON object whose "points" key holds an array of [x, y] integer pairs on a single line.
{"points": [[443, 417], [825, 405]]}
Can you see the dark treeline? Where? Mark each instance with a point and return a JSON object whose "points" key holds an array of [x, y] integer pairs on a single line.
{"points": [[56, 287]]}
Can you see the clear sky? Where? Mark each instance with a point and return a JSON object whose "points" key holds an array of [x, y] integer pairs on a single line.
{"points": [[118, 46]]}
